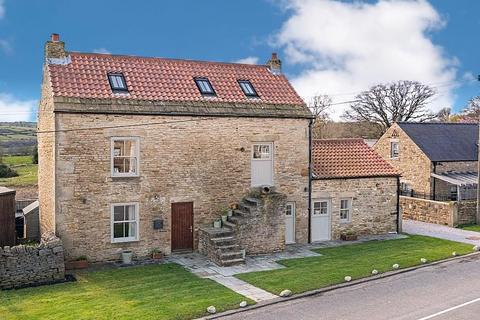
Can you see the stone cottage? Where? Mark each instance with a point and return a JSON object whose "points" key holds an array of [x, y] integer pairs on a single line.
{"points": [[354, 190], [138, 153], [437, 161]]}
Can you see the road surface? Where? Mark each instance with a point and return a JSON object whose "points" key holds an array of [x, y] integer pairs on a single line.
{"points": [[450, 290]]}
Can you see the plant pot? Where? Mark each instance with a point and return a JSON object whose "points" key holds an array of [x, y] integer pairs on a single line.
{"points": [[348, 237], [224, 219], [230, 213], [78, 264], [127, 257], [157, 255], [217, 224]]}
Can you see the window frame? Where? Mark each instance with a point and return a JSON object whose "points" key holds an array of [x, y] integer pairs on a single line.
{"points": [[320, 214], [249, 83], [270, 154], [397, 144], [208, 94], [112, 157], [348, 209], [137, 222], [115, 89]]}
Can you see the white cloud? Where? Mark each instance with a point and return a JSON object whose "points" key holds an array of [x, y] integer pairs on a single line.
{"points": [[344, 48], [248, 60], [5, 46], [101, 50], [13, 109], [2, 9]]}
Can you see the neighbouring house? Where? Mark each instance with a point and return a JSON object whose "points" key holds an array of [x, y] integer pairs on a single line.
{"points": [[140, 153], [438, 163], [7, 217], [354, 190], [31, 222]]}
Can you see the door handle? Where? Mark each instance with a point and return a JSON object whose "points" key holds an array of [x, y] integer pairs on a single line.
{"points": [[191, 229]]}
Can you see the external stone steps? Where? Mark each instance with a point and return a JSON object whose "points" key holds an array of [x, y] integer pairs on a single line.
{"points": [[233, 262]]}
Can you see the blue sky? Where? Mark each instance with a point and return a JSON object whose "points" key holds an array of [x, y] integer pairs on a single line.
{"points": [[331, 47]]}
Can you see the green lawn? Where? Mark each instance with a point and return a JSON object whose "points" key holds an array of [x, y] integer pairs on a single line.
{"points": [[470, 227], [356, 260], [27, 171], [149, 292]]}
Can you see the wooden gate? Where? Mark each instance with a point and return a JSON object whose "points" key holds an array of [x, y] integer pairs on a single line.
{"points": [[7, 217], [182, 226]]}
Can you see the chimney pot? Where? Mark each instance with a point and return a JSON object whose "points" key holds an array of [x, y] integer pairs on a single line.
{"points": [[55, 37]]}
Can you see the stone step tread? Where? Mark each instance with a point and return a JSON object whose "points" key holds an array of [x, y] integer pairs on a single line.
{"points": [[252, 200], [223, 238], [240, 212], [229, 254], [228, 247], [229, 224], [232, 262]]}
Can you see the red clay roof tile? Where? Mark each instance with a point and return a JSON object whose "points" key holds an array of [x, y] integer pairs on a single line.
{"points": [[348, 158], [160, 79]]}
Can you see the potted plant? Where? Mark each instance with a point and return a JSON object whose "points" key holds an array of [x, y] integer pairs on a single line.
{"points": [[127, 256], [224, 215], [156, 254], [349, 235], [232, 208], [79, 263], [217, 223]]}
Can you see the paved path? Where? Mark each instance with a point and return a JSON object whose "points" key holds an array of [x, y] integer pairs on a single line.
{"points": [[439, 231], [447, 291], [201, 266]]}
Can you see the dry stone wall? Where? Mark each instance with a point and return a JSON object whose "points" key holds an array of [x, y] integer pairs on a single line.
{"points": [[23, 266], [428, 211]]}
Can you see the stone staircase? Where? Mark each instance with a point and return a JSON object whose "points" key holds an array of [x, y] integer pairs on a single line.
{"points": [[220, 245]]}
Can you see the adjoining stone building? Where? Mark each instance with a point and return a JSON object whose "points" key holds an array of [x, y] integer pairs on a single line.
{"points": [[139, 153], [437, 162], [354, 190]]}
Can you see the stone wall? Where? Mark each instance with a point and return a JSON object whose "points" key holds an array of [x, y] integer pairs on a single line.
{"points": [[428, 211], [414, 166], [46, 158], [466, 212], [22, 266], [374, 204], [206, 162], [264, 229]]}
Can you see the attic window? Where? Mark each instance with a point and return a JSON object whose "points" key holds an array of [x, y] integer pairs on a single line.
{"points": [[247, 88], [204, 86], [117, 82]]}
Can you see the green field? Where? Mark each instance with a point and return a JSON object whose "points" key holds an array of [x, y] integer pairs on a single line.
{"points": [[17, 138], [356, 260], [470, 227], [27, 171], [165, 291]]}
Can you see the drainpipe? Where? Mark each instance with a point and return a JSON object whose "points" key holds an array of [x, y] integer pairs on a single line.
{"points": [[398, 205], [310, 174], [434, 180]]}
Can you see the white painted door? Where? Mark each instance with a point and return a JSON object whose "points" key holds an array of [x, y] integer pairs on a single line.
{"points": [[321, 211], [290, 222], [262, 164]]}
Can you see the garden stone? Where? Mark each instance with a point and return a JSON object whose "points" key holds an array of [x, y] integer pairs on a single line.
{"points": [[454, 253], [395, 266], [212, 310], [348, 278], [285, 293], [374, 272], [476, 248], [243, 304], [423, 260]]}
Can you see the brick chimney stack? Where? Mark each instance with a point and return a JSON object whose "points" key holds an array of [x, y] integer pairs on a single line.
{"points": [[55, 48], [274, 64]]}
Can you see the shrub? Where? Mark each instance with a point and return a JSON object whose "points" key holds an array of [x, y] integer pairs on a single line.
{"points": [[7, 172]]}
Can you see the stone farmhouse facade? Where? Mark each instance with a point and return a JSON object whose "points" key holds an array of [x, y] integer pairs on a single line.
{"points": [[435, 160], [139, 153], [354, 190]]}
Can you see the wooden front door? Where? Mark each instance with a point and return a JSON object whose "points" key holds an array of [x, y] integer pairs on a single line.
{"points": [[182, 226]]}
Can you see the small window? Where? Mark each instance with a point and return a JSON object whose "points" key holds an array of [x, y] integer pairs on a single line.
{"points": [[453, 193], [320, 208], [345, 210], [247, 88], [289, 208], [394, 150], [125, 154], [262, 152], [117, 82], [125, 222], [204, 86]]}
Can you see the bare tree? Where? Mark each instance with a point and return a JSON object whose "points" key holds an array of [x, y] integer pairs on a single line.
{"points": [[393, 102], [320, 105], [444, 115], [471, 112]]}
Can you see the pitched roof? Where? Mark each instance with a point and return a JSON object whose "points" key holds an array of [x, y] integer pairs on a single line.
{"points": [[348, 158], [84, 75], [444, 141]]}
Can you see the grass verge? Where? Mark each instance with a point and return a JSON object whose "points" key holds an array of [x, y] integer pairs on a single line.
{"points": [[165, 291], [470, 227], [356, 260]]}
